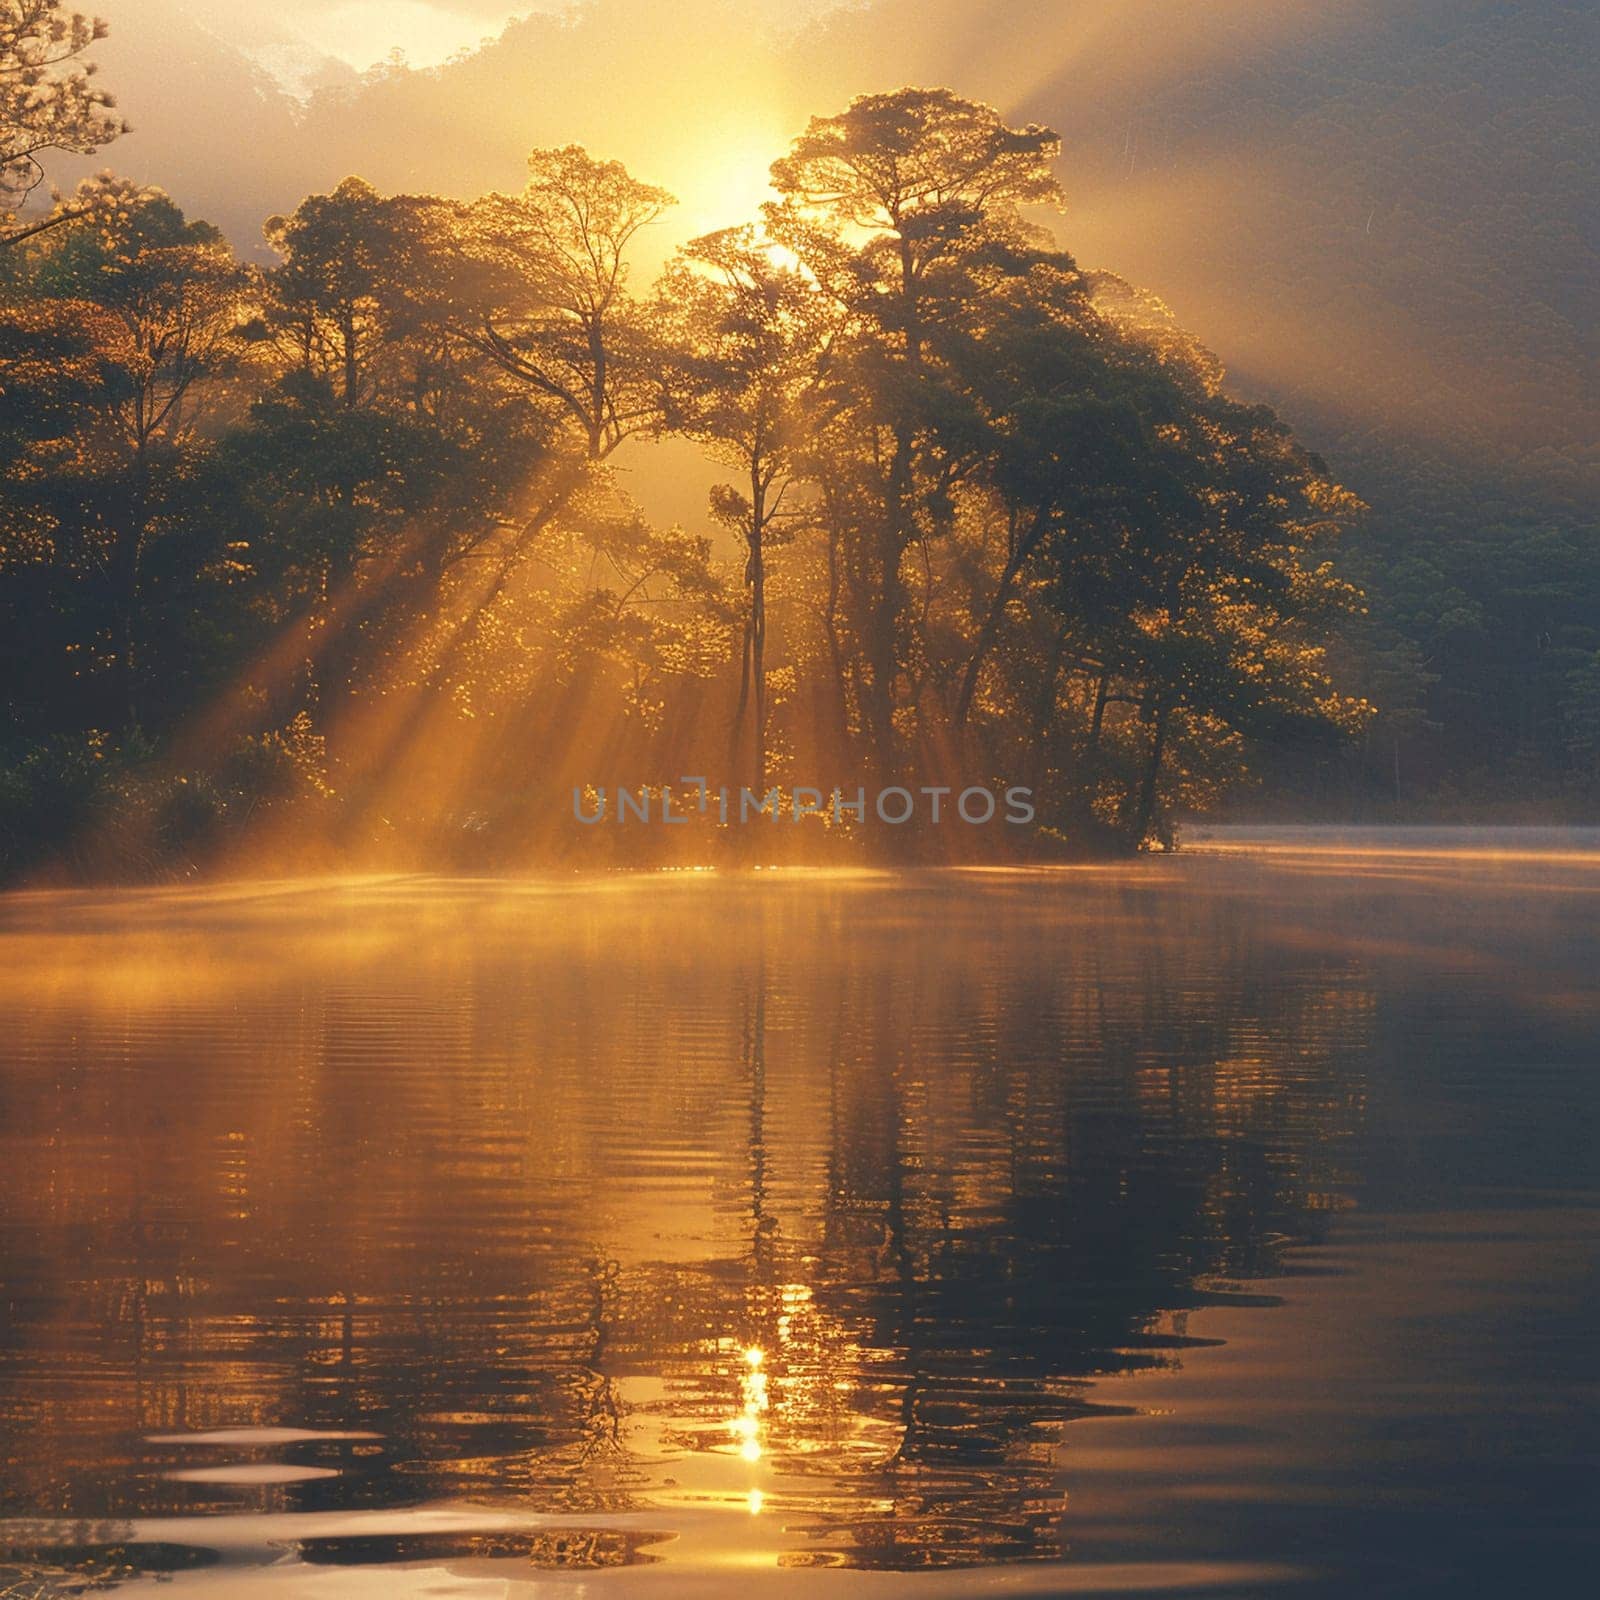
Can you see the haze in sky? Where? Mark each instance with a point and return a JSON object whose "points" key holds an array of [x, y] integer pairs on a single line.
{"points": [[1370, 211], [361, 32], [1373, 212]]}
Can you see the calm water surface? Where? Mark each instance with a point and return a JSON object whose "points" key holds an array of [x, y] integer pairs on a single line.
{"points": [[1222, 1224]]}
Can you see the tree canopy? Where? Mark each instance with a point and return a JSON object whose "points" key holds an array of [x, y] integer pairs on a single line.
{"points": [[48, 100], [346, 541]]}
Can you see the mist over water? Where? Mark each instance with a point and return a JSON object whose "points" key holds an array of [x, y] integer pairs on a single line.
{"points": [[1216, 1222], [1210, 1222]]}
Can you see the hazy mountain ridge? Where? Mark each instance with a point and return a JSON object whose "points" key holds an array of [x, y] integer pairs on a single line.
{"points": [[211, 124], [1408, 183]]}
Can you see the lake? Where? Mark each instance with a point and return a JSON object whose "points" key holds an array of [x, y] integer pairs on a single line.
{"points": [[1221, 1223]]}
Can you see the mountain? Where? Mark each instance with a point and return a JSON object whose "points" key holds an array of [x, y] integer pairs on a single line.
{"points": [[211, 124], [1375, 209]]}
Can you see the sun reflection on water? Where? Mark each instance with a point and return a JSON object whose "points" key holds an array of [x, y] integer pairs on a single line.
{"points": [[746, 1427], [829, 1196]]}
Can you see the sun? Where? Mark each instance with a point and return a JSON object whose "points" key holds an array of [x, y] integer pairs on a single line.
{"points": [[723, 178]]}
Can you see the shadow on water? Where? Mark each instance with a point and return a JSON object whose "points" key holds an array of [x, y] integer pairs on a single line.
{"points": [[695, 1207]]}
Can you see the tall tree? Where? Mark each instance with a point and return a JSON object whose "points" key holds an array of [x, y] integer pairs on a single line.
{"points": [[541, 288], [747, 333], [352, 262], [390, 450], [554, 307], [48, 102], [169, 296], [879, 202]]}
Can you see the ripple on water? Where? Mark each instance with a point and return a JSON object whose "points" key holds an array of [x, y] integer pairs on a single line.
{"points": [[368, 1201]]}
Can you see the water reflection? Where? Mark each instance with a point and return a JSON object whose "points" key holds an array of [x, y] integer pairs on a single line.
{"points": [[818, 1204]]}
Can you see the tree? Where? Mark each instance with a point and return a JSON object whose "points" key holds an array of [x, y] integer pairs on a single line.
{"points": [[747, 334], [1211, 614], [359, 507], [553, 305], [353, 266], [539, 286], [168, 300], [1063, 411], [48, 102], [391, 450], [880, 204]]}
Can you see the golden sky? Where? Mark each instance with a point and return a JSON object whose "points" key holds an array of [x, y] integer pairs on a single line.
{"points": [[361, 32], [1327, 195]]}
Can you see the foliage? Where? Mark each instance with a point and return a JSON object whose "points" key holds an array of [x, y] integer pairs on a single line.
{"points": [[345, 541], [48, 101]]}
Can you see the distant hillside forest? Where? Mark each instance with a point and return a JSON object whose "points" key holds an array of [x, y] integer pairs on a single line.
{"points": [[331, 557]]}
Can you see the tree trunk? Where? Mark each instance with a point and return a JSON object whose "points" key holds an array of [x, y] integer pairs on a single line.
{"points": [[352, 370], [736, 728], [883, 653], [830, 623], [758, 656], [990, 630], [1145, 814], [887, 645], [1102, 694]]}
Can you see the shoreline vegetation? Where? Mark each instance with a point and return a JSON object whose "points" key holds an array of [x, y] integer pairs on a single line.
{"points": [[335, 562]]}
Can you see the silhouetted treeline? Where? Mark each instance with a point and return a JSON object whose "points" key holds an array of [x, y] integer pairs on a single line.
{"points": [[342, 542], [1376, 212]]}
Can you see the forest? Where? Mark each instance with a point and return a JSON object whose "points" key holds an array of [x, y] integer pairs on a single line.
{"points": [[335, 558]]}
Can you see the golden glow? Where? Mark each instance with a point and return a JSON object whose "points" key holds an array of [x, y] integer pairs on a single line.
{"points": [[723, 179], [746, 1427], [231, 1077], [364, 32]]}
